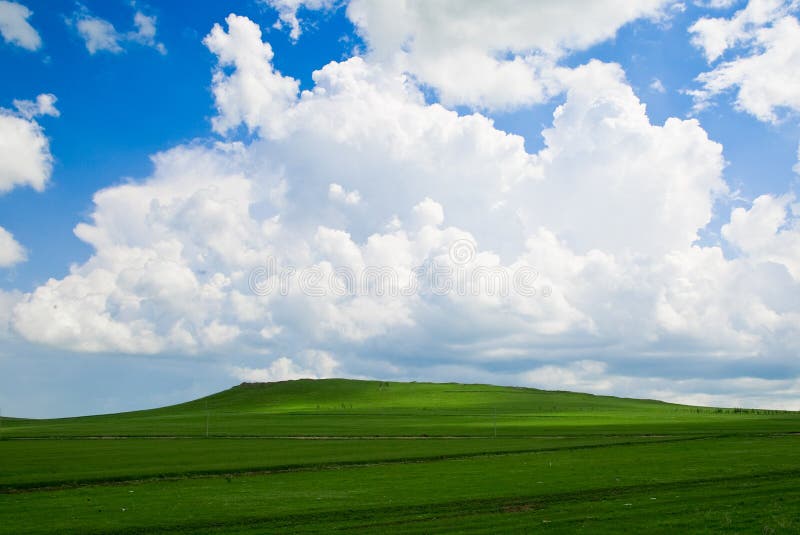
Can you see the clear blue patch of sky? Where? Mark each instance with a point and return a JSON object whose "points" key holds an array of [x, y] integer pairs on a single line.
{"points": [[50, 383]]}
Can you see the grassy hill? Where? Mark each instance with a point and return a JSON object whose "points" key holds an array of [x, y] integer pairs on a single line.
{"points": [[343, 407], [363, 456]]}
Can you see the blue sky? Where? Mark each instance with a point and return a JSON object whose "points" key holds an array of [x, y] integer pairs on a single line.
{"points": [[309, 173]]}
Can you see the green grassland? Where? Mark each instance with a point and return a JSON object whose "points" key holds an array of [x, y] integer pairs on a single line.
{"points": [[366, 456]]}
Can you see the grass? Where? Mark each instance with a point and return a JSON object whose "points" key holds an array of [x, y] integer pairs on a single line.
{"points": [[361, 456]]}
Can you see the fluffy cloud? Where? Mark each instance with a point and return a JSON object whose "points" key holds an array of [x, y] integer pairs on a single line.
{"points": [[255, 92], [45, 104], [769, 231], [15, 28], [11, 252], [100, 35], [311, 365], [657, 183], [138, 293], [25, 158], [764, 75], [490, 56], [254, 248]]}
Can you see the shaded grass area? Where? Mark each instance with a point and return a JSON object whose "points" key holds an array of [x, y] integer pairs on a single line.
{"points": [[561, 463]]}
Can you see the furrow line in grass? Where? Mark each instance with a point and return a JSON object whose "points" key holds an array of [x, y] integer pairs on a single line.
{"points": [[360, 437], [399, 437], [312, 467]]}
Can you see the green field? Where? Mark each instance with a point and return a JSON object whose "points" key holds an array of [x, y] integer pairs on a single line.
{"points": [[367, 456]]}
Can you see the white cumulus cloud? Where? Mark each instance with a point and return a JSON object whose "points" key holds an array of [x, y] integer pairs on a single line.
{"points": [[255, 92], [25, 158], [15, 28], [496, 55]]}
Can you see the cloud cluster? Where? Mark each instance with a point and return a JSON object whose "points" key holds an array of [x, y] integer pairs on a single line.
{"points": [[766, 36], [361, 172], [100, 35], [494, 56], [716, 35], [490, 56], [25, 160], [44, 105], [15, 28], [594, 376]]}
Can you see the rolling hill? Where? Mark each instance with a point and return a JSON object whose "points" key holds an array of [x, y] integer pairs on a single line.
{"points": [[345, 407]]}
